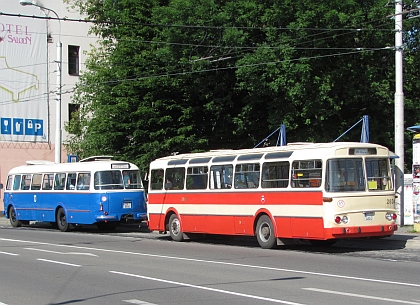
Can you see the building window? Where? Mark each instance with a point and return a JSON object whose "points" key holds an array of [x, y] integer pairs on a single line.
{"points": [[73, 111], [73, 60]]}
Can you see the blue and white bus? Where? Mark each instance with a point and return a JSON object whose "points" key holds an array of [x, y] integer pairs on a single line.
{"points": [[96, 190]]}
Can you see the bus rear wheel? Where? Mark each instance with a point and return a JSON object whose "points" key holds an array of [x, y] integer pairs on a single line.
{"points": [[62, 223], [12, 217], [265, 233], [175, 228]]}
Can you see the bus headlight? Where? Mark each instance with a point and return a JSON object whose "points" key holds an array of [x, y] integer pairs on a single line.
{"points": [[104, 198], [345, 219]]}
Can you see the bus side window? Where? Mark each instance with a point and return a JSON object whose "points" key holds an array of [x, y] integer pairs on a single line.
{"points": [[71, 181], [247, 175], [275, 175], [16, 182], [25, 183], [83, 181], [156, 179], [175, 178], [306, 173], [9, 182], [197, 177], [221, 177], [59, 181], [36, 181], [47, 183]]}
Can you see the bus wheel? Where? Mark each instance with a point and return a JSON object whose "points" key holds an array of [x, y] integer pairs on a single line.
{"points": [[61, 221], [175, 228], [12, 217], [265, 233]]}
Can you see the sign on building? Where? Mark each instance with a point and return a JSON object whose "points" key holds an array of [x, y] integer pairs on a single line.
{"points": [[23, 74]]}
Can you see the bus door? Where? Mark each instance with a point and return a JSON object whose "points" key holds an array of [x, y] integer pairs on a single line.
{"points": [[8, 197], [22, 197]]}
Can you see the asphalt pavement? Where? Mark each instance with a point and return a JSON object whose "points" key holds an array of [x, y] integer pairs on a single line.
{"points": [[406, 236]]}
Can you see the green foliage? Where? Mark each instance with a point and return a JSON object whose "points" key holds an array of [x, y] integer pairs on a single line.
{"points": [[192, 75]]}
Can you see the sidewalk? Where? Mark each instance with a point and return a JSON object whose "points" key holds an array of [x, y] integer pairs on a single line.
{"points": [[407, 234]]}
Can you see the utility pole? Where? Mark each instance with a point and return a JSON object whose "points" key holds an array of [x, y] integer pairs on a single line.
{"points": [[399, 109]]}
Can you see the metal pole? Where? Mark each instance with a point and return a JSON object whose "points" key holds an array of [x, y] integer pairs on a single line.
{"points": [[58, 106], [399, 109]]}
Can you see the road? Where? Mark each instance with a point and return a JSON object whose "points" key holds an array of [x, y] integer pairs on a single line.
{"points": [[40, 265]]}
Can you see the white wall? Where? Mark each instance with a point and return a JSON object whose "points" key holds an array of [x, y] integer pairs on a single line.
{"points": [[12, 152]]}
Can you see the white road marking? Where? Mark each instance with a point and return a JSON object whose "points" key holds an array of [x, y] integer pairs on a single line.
{"points": [[361, 296], [56, 262], [219, 263], [8, 253], [206, 288], [138, 302], [66, 253]]}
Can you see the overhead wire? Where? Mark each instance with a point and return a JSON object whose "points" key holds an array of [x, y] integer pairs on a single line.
{"points": [[332, 32]]}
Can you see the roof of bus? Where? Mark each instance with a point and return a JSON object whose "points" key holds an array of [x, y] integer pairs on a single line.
{"points": [[322, 148], [73, 166]]}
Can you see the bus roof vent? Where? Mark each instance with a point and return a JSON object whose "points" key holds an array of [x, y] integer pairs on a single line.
{"points": [[97, 158], [38, 162]]}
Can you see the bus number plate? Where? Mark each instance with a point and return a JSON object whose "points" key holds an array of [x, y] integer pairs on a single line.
{"points": [[369, 216], [127, 205]]}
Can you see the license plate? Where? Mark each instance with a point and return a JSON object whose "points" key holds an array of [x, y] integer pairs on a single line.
{"points": [[369, 216], [127, 205]]}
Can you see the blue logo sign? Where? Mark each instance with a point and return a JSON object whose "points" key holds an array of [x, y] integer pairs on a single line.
{"points": [[19, 126], [6, 125], [34, 127]]}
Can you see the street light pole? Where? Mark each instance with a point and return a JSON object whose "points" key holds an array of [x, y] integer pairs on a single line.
{"points": [[58, 144], [399, 108]]}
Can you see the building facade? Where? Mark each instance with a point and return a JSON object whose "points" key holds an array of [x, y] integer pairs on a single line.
{"points": [[29, 83]]}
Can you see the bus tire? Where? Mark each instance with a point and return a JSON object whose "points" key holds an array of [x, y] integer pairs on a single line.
{"points": [[175, 228], [265, 233], [12, 217], [62, 223]]}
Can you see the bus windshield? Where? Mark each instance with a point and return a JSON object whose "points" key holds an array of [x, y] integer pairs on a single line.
{"points": [[348, 175], [115, 179]]}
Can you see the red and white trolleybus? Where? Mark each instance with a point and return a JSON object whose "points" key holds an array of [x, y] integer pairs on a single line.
{"points": [[319, 192]]}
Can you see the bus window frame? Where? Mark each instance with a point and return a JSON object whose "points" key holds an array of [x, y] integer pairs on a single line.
{"points": [[267, 179], [306, 175], [175, 178], [197, 178], [221, 176], [247, 175]]}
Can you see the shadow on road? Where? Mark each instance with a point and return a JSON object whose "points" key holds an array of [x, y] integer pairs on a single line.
{"points": [[140, 230]]}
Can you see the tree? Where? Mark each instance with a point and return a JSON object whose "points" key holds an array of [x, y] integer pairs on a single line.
{"points": [[188, 75]]}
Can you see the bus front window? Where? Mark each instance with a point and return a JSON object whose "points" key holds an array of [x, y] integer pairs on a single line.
{"points": [[378, 174], [345, 175]]}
